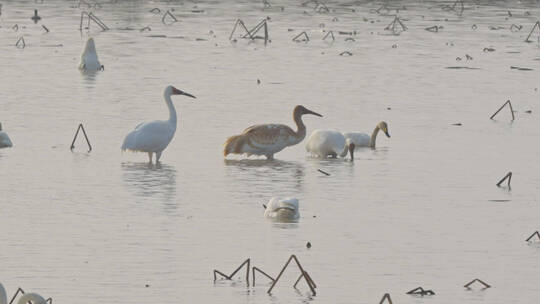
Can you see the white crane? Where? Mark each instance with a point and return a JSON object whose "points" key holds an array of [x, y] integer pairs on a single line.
{"points": [[155, 136]]}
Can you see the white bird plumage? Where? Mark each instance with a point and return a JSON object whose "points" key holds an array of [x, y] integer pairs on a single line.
{"points": [[5, 142], [155, 136], [89, 57], [325, 143], [360, 139], [268, 139], [282, 210], [26, 298]]}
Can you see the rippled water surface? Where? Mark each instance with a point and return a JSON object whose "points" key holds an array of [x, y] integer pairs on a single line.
{"points": [[420, 210]]}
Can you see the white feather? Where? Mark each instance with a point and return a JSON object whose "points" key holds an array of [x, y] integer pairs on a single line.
{"points": [[282, 210]]}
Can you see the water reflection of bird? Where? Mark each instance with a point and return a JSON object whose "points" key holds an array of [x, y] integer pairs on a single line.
{"points": [[148, 180], [155, 136], [89, 57], [5, 142], [264, 177], [34, 298], [324, 143], [282, 210], [268, 139], [364, 140]]}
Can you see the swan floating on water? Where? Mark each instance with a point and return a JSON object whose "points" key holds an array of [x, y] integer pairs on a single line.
{"points": [[89, 57], [268, 139], [25, 299], [282, 209], [364, 140], [155, 136], [5, 142], [329, 143]]}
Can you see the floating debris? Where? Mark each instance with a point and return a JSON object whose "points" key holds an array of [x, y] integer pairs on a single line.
{"points": [[346, 33], [251, 33], [433, 29], [461, 68], [92, 17], [345, 53], [349, 39], [155, 10], [258, 81], [45, 28], [146, 28], [535, 26], [495, 28], [468, 57], [329, 34], [479, 281], [36, 17], [325, 173], [457, 7], [308, 245], [229, 277], [421, 291], [456, 124], [171, 16], [20, 44], [262, 272], [321, 8], [511, 109], [396, 26], [302, 37], [303, 274], [381, 8], [75, 137], [386, 297], [458, 58], [488, 49], [474, 27], [515, 28], [507, 176], [520, 69], [15, 27], [528, 111], [532, 235]]}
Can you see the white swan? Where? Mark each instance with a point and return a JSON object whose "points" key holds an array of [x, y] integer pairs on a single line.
{"points": [[89, 57], [5, 142], [155, 136], [26, 298], [363, 139], [324, 143], [282, 210]]}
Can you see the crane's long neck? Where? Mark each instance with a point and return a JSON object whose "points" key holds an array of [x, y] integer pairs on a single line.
{"points": [[301, 128], [172, 110], [373, 137]]}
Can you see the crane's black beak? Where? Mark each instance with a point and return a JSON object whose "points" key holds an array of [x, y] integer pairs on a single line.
{"points": [[176, 91], [314, 113], [387, 134], [189, 95]]}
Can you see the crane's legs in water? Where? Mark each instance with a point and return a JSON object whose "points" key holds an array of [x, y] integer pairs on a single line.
{"points": [[158, 155], [150, 157]]}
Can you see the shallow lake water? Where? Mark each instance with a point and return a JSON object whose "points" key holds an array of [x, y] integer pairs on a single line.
{"points": [[421, 209]]}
